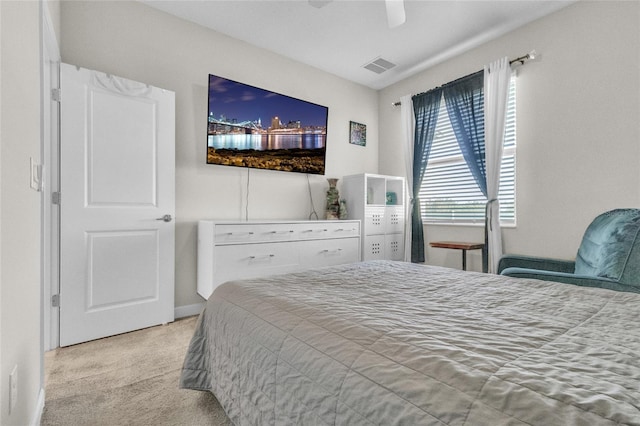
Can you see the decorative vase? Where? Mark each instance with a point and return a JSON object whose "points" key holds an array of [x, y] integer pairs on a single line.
{"points": [[333, 200], [343, 209]]}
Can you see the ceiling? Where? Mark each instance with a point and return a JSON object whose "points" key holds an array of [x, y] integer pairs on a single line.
{"points": [[342, 36]]}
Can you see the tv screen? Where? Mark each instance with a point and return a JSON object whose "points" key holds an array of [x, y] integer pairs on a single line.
{"points": [[252, 127]]}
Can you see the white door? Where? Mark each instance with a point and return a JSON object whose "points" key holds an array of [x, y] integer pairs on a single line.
{"points": [[117, 167]]}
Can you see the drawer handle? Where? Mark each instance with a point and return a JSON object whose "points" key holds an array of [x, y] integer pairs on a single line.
{"points": [[280, 232], [240, 233], [315, 230], [267, 255], [329, 251]]}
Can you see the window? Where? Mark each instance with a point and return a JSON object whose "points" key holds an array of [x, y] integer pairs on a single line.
{"points": [[449, 193]]}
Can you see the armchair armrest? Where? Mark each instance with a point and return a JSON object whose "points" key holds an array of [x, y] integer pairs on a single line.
{"points": [[541, 263], [568, 278]]}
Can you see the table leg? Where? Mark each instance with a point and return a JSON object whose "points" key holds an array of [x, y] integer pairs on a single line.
{"points": [[485, 258], [464, 260]]}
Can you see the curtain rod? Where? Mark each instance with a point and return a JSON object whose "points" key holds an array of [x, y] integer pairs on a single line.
{"points": [[522, 59]]}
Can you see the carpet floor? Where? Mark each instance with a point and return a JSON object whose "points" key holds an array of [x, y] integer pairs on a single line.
{"points": [[129, 379]]}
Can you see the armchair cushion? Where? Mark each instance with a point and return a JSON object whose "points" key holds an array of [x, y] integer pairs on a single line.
{"points": [[569, 278], [607, 244], [530, 262], [608, 257]]}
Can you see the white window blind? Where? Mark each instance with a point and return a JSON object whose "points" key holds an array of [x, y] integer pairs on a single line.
{"points": [[449, 193]]}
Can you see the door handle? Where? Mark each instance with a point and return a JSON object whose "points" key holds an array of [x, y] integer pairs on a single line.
{"points": [[166, 218]]}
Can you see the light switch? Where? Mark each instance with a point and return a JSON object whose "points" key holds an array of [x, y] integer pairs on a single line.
{"points": [[35, 170]]}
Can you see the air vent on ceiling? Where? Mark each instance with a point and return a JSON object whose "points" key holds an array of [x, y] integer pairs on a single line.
{"points": [[379, 65]]}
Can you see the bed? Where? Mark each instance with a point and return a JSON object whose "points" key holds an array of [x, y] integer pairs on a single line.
{"points": [[394, 343]]}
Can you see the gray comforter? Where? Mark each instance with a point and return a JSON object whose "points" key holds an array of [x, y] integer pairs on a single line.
{"points": [[397, 343]]}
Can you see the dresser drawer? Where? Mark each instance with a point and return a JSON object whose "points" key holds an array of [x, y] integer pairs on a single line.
{"points": [[233, 234], [250, 233], [342, 229], [313, 230], [275, 232], [234, 262], [329, 252], [238, 250]]}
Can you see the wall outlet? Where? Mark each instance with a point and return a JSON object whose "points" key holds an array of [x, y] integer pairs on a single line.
{"points": [[13, 389]]}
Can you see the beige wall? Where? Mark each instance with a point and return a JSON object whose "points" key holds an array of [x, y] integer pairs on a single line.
{"points": [[20, 311], [578, 126], [53, 11], [134, 41]]}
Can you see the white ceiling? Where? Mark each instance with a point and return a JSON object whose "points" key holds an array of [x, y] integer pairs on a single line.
{"points": [[344, 35]]}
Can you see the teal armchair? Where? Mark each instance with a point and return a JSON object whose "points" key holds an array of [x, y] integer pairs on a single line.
{"points": [[608, 257]]}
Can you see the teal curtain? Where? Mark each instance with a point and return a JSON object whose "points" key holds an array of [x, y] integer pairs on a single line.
{"points": [[465, 105], [464, 99], [425, 107]]}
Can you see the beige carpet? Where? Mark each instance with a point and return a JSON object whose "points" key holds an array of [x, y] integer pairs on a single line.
{"points": [[130, 379]]}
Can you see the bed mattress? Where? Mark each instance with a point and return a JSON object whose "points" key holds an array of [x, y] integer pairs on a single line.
{"points": [[394, 343]]}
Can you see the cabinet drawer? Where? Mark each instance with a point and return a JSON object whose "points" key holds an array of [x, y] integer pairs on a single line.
{"points": [[253, 260], [233, 234], [374, 222], [373, 247], [329, 252], [311, 230], [342, 229], [394, 219], [394, 246], [275, 232], [251, 233], [333, 229]]}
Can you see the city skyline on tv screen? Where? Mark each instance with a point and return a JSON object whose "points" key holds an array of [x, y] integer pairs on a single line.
{"points": [[252, 127], [241, 102]]}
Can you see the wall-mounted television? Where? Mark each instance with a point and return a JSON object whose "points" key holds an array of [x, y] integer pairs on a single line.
{"points": [[252, 127]]}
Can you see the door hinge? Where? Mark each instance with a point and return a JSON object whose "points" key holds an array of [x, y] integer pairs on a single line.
{"points": [[55, 95], [55, 198], [55, 300]]}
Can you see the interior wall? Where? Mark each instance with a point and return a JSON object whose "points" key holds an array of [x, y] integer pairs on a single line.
{"points": [[134, 41], [578, 132], [53, 9], [20, 288]]}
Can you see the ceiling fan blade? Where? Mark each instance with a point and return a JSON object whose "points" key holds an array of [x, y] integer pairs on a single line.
{"points": [[395, 13]]}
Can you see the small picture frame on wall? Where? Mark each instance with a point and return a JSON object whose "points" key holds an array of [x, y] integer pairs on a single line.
{"points": [[357, 133]]}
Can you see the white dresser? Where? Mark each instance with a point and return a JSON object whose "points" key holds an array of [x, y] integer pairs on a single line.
{"points": [[236, 250], [378, 201]]}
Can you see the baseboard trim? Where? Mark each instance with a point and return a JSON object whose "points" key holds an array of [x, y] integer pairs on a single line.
{"points": [[36, 419], [188, 310]]}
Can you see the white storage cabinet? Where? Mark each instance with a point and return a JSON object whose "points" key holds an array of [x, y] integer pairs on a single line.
{"points": [[236, 250], [379, 202]]}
